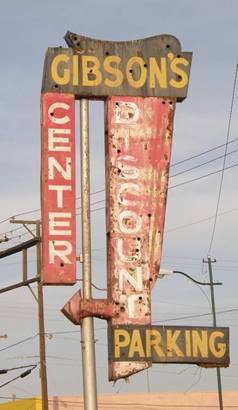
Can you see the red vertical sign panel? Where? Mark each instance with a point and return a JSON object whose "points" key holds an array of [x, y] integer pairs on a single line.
{"points": [[139, 136], [58, 189]]}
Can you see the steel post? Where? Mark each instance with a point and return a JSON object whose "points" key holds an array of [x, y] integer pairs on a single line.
{"points": [[209, 261], [87, 330]]}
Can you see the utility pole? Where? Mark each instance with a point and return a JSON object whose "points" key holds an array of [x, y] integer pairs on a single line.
{"points": [[87, 331], [209, 261], [40, 302], [43, 372]]}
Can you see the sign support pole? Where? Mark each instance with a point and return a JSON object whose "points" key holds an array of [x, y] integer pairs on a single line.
{"points": [[87, 331]]}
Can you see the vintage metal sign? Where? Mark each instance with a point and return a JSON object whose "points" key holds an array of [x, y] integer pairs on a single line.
{"points": [[138, 144], [207, 346], [58, 189], [151, 67], [140, 81]]}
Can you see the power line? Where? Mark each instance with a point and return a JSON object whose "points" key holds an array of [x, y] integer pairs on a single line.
{"points": [[102, 190], [203, 176], [171, 187], [21, 376], [203, 163], [18, 343], [224, 161], [197, 315], [4, 371], [97, 329], [200, 220], [203, 153]]}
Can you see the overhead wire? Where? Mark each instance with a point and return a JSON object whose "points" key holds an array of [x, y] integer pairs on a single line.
{"points": [[100, 201], [102, 190], [202, 153], [224, 311], [21, 376], [224, 160], [203, 163]]}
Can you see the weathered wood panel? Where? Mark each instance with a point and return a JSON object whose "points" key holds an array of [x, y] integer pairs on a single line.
{"points": [[206, 346], [151, 67]]}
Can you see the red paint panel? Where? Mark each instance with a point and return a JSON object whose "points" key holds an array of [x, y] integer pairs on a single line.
{"points": [[58, 189], [138, 144]]}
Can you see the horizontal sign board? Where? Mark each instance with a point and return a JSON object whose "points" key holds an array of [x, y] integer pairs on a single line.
{"points": [[207, 346], [58, 189], [151, 67]]}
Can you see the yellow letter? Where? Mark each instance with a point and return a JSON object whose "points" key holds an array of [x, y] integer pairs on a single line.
{"points": [[129, 72], [92, 70], [113, 70], [60, 79], [136, 344], [200, 343], [188, 342], [75, 70], [159, 73], [221, 347], [176, 70], [171, 343], [121, 339], [153, 339]]}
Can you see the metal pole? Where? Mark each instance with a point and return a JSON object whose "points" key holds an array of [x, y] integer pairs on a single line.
{"points": [[43, 373], [209, 261], [87, 331]]}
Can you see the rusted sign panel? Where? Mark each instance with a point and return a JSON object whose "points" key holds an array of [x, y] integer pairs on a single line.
{"points": [[58, 189], [151, 67], [138, 147], [206, 346]]}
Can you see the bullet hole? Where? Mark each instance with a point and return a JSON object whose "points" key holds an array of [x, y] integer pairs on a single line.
{"points": [[150, 279], [118, 151], [117, 303], [52, 114], [171, 102], [56, 86], [140, 297], [167, 46], [118, 171], [179, 77], [178, 56], [78, 44], [165, 157], [62, 265], [122, 309], [130, 71], [145, 65], [138, 239], [137, 250], [149, 215], [91, 71], [117, 104], [107, 53], [75, 38], [163, 102]]}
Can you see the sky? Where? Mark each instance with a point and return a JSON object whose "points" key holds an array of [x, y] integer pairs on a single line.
{"points": [[208, 29]]}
